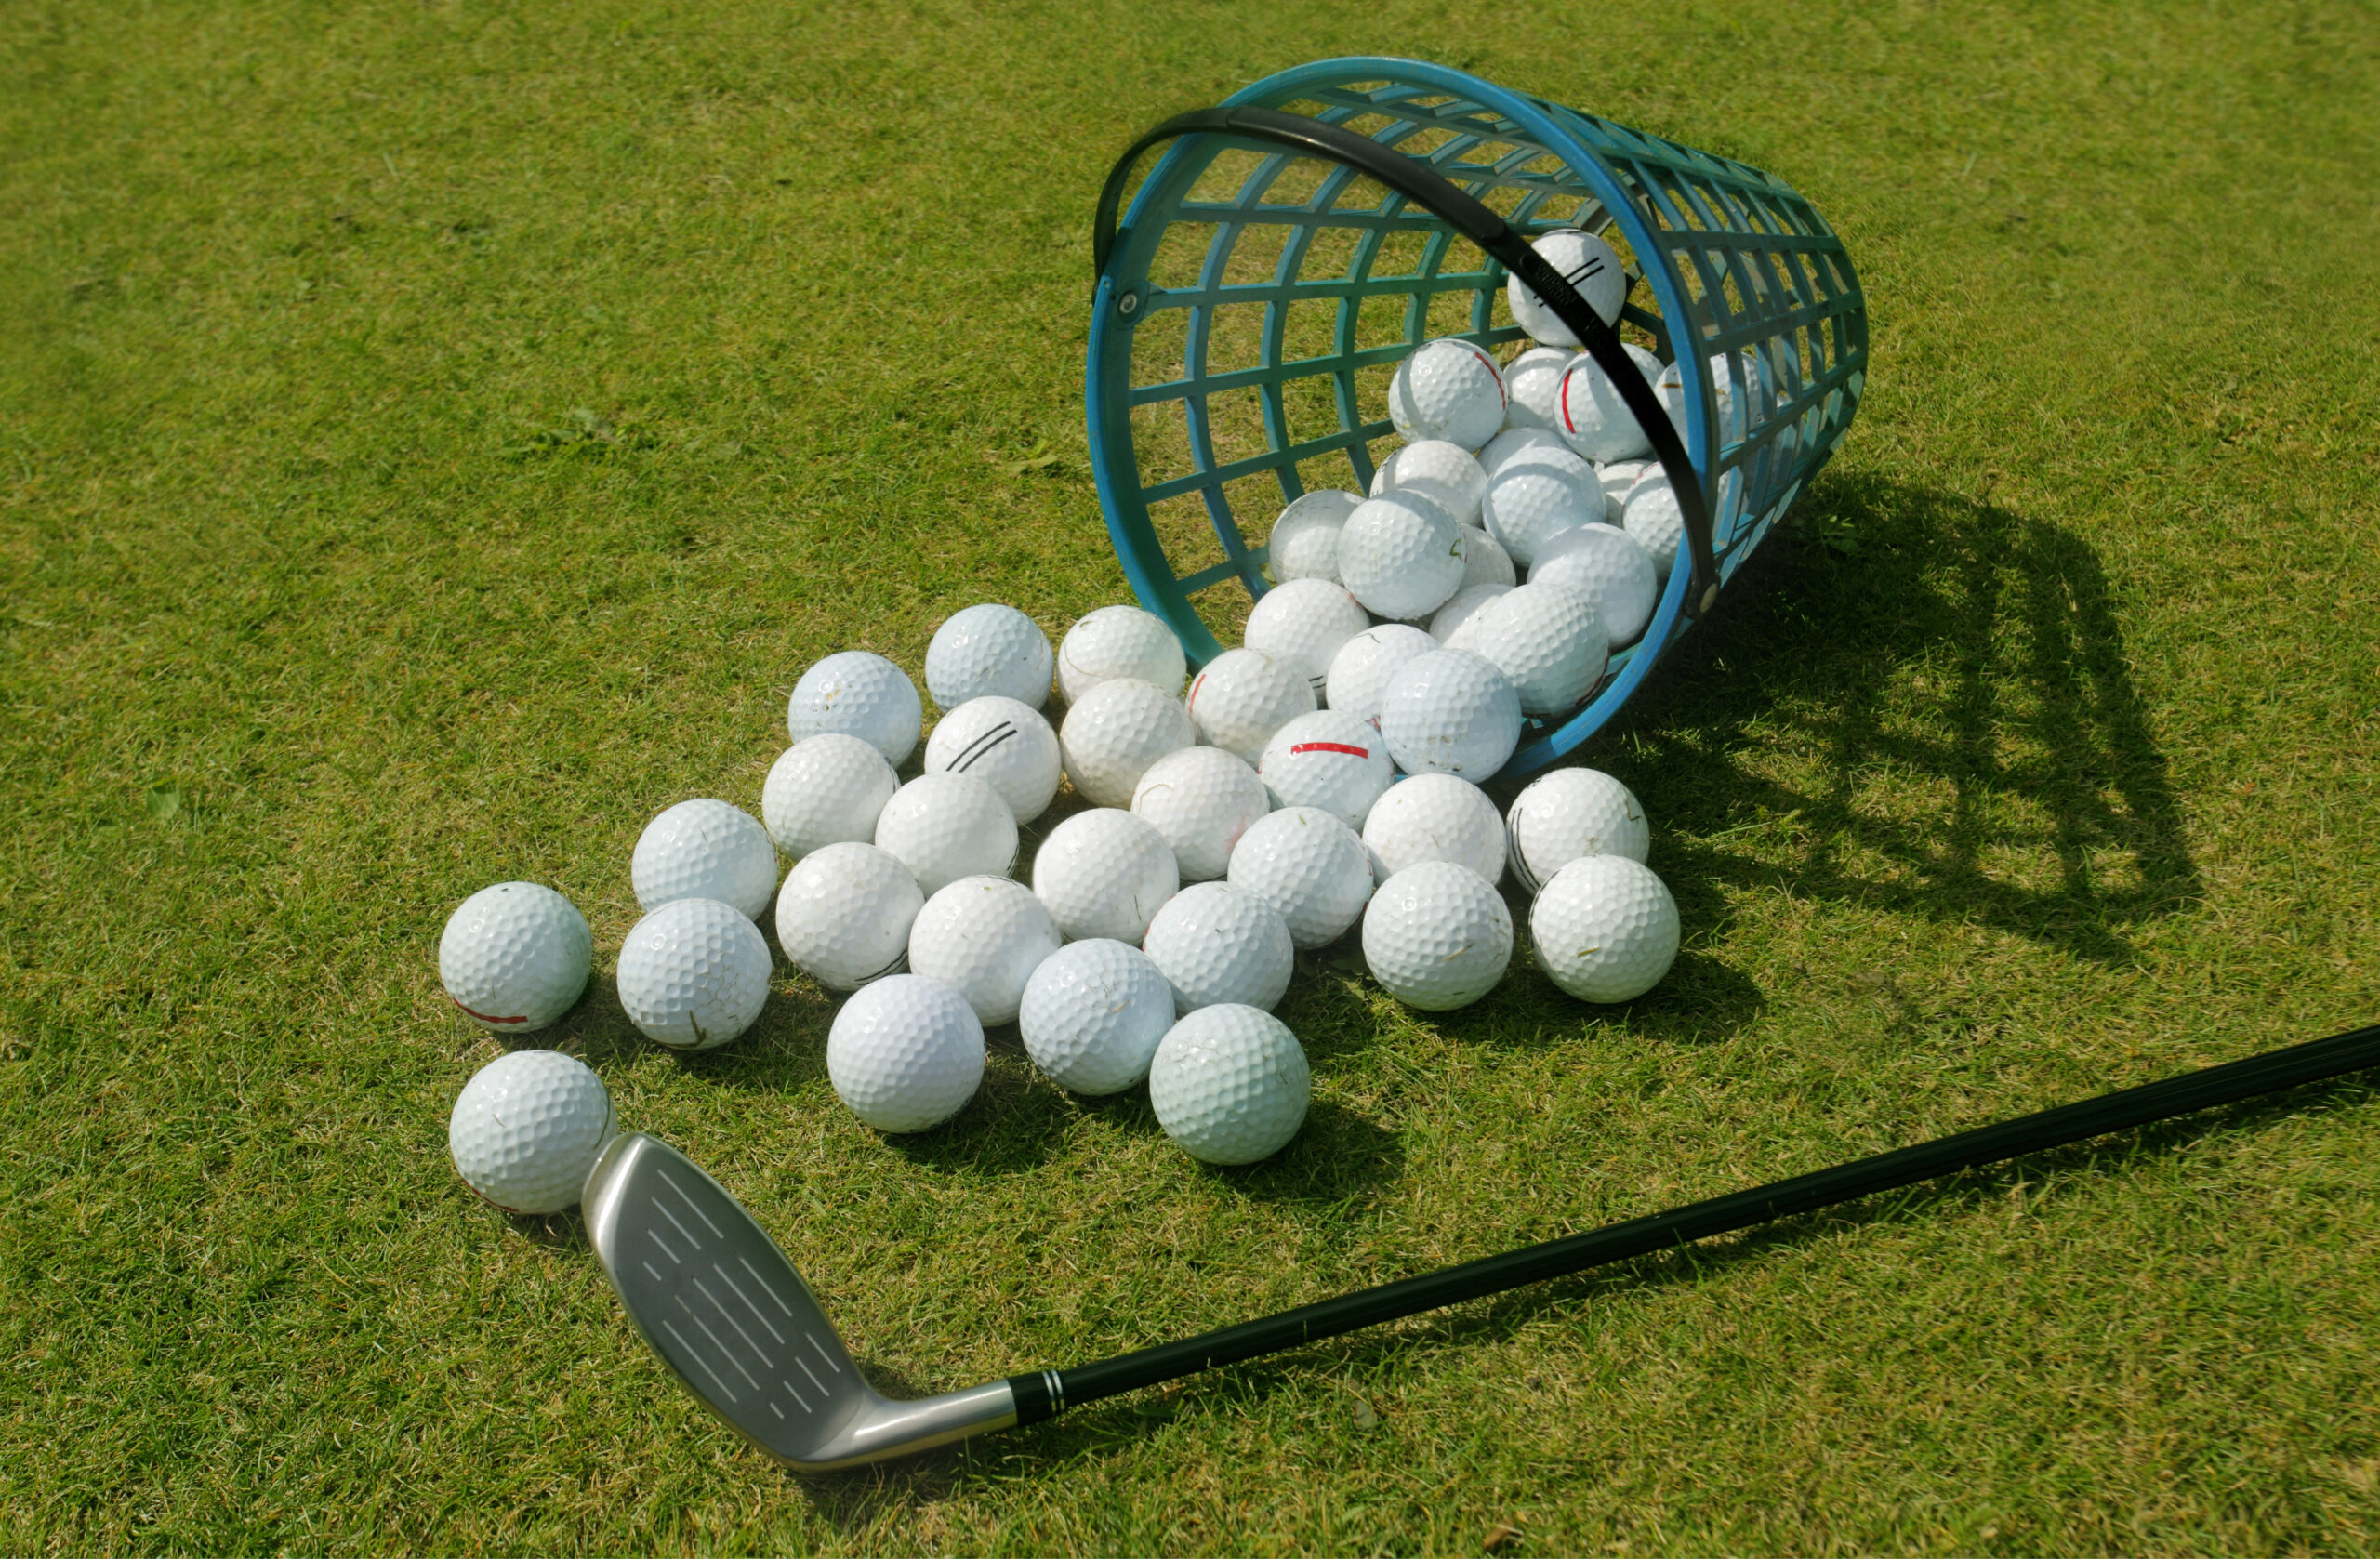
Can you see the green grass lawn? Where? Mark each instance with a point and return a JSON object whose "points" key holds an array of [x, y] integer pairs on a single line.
{"points": [[322, 609]]}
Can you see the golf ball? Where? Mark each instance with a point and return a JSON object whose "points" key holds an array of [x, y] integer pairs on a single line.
{"points": [[1536, 495], [1615, 477], [1606, 566], [905, 1053], [1005, 745], [826, 790], [1466, 605], [1514, 442], [1310, 866], [1216, 944], [1448, 389], [515, 956], [1436, 817], [1093, 1013], [1590, 266], [1451, 712], [1567, 815], [1230, 1084], [1605, 929], [1484, 562], [1331, 759], [1115, 731], [1304, 543], [1303, 624], [1437, 936], [1653, 520], [527, 1128], [1401, 555], [1244, 695], [693, 974], [988, 651], [705, 850], [844, 914], [1201, 800], [1360, 672], [1674, 393], [1120, 641], [1436, 469], [1549, 642], [1590, 414], [1103, 873], [946, 826], [1532, 379], [983, 937], [859, 694]]}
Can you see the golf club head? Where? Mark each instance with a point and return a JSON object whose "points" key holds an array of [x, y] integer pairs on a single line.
{"points": [[734, 1322]]}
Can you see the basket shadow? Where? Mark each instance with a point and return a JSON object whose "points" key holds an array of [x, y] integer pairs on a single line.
{"points": [[1941, 723]]}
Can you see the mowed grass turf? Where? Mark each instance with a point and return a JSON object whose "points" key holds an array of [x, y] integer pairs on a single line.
{"points": [[434, 437]]}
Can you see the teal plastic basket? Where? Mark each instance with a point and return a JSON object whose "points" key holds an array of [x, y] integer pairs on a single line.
{"points": [[1293, 244]]}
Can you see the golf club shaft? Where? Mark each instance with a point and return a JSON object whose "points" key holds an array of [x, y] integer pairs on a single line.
{"points": [[1039, 1395]]}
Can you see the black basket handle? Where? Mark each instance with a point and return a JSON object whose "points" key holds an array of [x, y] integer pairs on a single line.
{"points": [[1419, 182]]}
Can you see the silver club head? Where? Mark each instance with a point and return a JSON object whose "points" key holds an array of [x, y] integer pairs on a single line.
{"points": [[727, 1313]]}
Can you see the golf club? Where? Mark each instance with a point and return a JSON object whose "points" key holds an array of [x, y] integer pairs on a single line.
{"points": [[727, 1311]]}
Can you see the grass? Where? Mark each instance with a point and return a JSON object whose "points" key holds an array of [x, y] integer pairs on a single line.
{"points": [[433, 437]]}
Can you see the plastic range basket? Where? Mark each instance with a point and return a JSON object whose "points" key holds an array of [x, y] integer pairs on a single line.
{"points": [[1292, 245]]}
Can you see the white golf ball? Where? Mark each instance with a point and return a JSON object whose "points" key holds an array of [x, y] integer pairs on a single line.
{"points": [[1567, 815], [1331, 759], [983, 937], [1094, 1014], [527, 1128], [859, 694], [1466, 605], [1243, 696], [1360, 672], [1449, 389], [827, 790], [1615, 477], [1532, 380], [1605, 928], [905, 1053], [693, 974], [844, 913], [1436, 817], [946, 826], [1310, 866], [1606, 566], [1103, 873], [1201, 800], [1549, 642], [1671, 384], [1484, 562], [1215, 944], [988, 651], [1303, 624], [1513, 443], [1437, 936], [1653, 518], [1230, 1084], [1590, 265], [1401, 555], [1304, 543], [1536, 495], [1438, 471], [1120, 641], [1005, 745], [1450, 713], [1115, 731], [705, 849], [1590, 413], [515, 956]]}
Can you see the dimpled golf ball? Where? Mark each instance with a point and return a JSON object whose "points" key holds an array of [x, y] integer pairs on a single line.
{"points": [[1591, 268], [1303, 623], [1093, 1015], [1605, 928], [1513, 443], [1201, 800], [859, 694], [1244, 695], [827, 790], [1567, 815], [1304, 543], [1532, 380], [1401, 554], [693, 974], [527, 1128], [844, 914], [705, 849], [1115, 731], [515, 956], [1310, 866], [1436, 469], [1215, 943], [1436, 817], [905, 1053], [1449, 390], [988, 651], [1653, 519], [1674, 393], [1331, 759], [1449, 619], [1451, 712], [1592, 415], [1230, 1084], [983, 936], [1005, 745], [1538, 494], [1103, 873], [1484, 562], [1616, 479], [1549, 642], [1437, 937], [1606, 566], [946, 826], [1120, 641], [1360, 672]]}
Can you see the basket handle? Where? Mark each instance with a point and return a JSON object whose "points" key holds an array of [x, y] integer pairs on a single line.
{"points": [[1417, 181]]}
